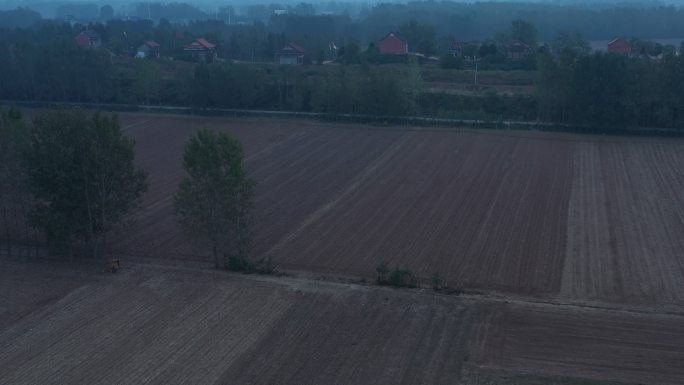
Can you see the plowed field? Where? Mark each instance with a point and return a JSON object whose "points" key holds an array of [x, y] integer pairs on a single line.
{"points": [[580, 218], [160, 325], [552, 216]]}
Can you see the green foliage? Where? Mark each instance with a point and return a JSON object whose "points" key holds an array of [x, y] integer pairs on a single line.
{"points": [[349, 53], [399, 277], [420, 37], [19, 17], [382, 270], [14, 195], [147, 81], [215, 202], [485, 107], [106, 12], [524, 31], [243, 265], [230, 85], [81, 172], [414, 86], [599, 87], [610, 91], [570, 43], [436, 281], [449, 61]]}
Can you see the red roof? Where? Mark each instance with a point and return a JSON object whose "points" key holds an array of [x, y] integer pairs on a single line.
{"points": [[292, 48], [200, 44], [151, 43], [205, 43], [517, 45], [87, 38], [619, 45], [82, 40]]}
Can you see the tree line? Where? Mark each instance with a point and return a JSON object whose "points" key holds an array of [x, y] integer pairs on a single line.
{"points": [[368, 22], [611, 90], [572, 86], [69, 180]]}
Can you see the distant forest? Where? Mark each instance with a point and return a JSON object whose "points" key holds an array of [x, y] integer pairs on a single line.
{"points": [[366, 23]]}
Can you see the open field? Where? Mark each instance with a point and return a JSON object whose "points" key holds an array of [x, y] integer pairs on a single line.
{"points": [[162, 325], [562, 217], [580, 218]]}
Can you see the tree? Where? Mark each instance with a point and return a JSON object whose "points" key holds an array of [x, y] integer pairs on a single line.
{"points": [[420, 37], [14, 139], [414, 85], [81, 173], [106, 12], [570, 43], [216, 201], [449, 61], [600, 91], [525, 32], [146, 81]]}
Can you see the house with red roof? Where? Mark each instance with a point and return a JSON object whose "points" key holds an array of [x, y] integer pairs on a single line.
{"points": [[291, 53], [393, 44], [517, 50], [88, 39], [148, 49], [201, 50], [619, 45], [457, 48]]}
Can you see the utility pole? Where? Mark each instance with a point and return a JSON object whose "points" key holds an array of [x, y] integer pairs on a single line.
{"points": [[476, 60]]}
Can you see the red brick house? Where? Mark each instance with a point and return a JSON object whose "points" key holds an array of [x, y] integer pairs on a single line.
{"points": [[201, 50], [291, 53], [619, 45], [393, 44], [88, 39]]}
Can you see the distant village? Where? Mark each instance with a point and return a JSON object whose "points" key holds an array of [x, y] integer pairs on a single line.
{"points": [[292, 53]]}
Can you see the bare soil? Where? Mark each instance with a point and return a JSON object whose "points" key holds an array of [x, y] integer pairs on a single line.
{"points": [[549, 216], [150, 324]]}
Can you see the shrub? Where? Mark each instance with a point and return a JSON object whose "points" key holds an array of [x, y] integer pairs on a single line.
{"points": [[239, 264], [263, 266], [399, 277], [448, 61], [436, 282], [382, 271]]}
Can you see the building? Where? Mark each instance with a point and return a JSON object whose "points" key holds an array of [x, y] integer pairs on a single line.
{"points": [[201, 50], [148, 49], [517, 50], [88, 39], [619, 45], [291, 53], [332, 51], [393, 44], [457, 49]]}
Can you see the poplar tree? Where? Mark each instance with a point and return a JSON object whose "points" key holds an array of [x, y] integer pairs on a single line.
{"points": [[215, 202]]}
